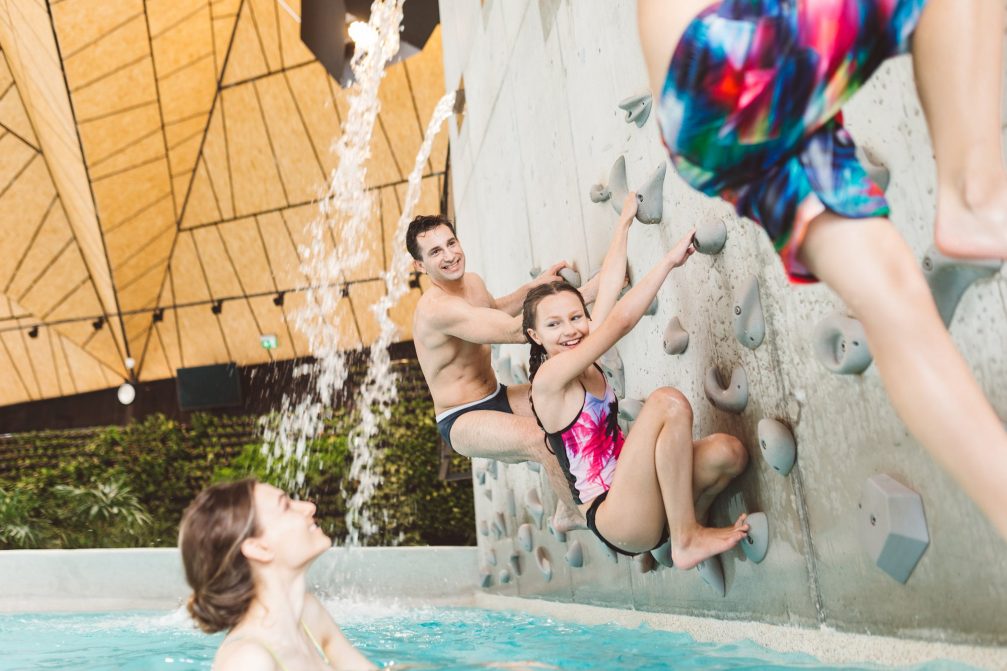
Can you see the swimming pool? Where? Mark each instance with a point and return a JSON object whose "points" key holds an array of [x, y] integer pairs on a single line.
{"points": [[443, 638]]}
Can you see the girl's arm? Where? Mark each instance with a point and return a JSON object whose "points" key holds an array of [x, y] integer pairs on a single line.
{"points": [[560, 370], [613, 269]]}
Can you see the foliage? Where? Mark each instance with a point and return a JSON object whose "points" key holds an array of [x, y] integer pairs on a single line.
{"points": [[106, 513]]}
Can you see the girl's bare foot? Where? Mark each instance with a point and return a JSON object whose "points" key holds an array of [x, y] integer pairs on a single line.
{"points": [[972, 227], [704, 542], [567, 519]]}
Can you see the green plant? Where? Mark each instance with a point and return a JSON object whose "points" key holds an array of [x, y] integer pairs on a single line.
{"points": [[108, 512], [19, 528]]}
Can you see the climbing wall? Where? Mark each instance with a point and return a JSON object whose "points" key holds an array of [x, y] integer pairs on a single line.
{"points": [[537, 143]]}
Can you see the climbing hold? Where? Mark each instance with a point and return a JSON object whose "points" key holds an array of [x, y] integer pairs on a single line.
{"points": [[575, 555], [514, 561], [504, 576], [488, 493], [533, 466], [480, 475], [840, 344], [608, 552], [560, 535], [734, 397], [524, 537], [534, 272], [617, 185], [599, 193], [511, 503], [712, 573], [676, 338], [491, 557], [499, 526], [749, 322], [485, 576], [662, 554], [519, 372], [650, 208], [756, 543], [544, 565], [876, 170], [611, 364], [484, 529], [570, 276], [533, 502], [503, 370], [893, 529], [491, 467], [711, 235], [949, 278], [629, 409], [777, 444], [637, 108], [644, 562]]}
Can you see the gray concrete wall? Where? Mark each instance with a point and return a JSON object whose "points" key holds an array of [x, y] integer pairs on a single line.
{"points": [[102, 580], [542, 79]]}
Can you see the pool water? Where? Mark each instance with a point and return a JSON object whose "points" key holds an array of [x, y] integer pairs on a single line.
{"points": [[446, 639]]}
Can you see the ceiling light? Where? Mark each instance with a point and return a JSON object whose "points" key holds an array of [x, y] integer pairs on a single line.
{"points": [[158, 315], [126, 393], [217, 307], [98, 323], [345, 291], [33, 331], [278, 299]]}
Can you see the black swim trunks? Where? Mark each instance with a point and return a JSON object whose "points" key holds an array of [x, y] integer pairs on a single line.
{"points": [[495, 401], [593, 510]]}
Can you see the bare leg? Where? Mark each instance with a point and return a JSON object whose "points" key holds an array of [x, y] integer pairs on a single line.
{"points": [[717, 459], [870, 266], [957, 54], [652, 487]]}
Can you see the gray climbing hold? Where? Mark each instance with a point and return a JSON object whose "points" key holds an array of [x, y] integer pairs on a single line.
{"points": [[575, 555], [519, 372], [570, 276], [949, 278], [534, 272], [711, 235], [491, 467], [617, 185], [599, 193], [499, 526], [876, 170], [662, 554], [524, 537], [734, 397], [533, 502], [608, 552], [491, 557], [840, 345], [560, 535], [533, 466], [676, 338], [485, 576], [484, 528], [756, 543], [712, 573], [893, 528], [488, 493], [480, 475], [778, 446], [503, 577], [502, 368], [544, 565], [514, 561], [611, 364], [637, 108], [629, 409], [511, 503], [749, 322], [644, 562], [650, 208]]}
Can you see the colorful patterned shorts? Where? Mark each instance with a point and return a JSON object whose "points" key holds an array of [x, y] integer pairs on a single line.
{"points": [[749, 107]]}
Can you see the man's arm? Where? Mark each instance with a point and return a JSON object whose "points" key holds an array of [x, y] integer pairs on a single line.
{"points": [[514, 301], [456, 317]]}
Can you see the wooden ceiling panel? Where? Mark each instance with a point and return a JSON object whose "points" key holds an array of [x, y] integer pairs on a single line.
{"points": [[154, 250], [390, 206], [214, 199], [201, 334], [281, 250], [271, 320], [107, 138], [426, 76], [81, 24], [142, 291], [265, 16], [293, 304], [129, 236], [12, 342], [363, 296], [155, 363], [183, 41], [103, 348], [204, 204], [118, 194], [104, 48], [242, 331], [187, 280], [220, 272], [63, 373], [47, 242], [88, 373], [298, 160], [399, 120], [22, 208], [247, 59], [43, 365], [164, 16], [189, 91], [292, 48], [247, 251], [62, 278], [313, 92], [12, 112], [257, 185], [13, 388], [82, 304], [123, 89], [15, 155], [402, 314]]}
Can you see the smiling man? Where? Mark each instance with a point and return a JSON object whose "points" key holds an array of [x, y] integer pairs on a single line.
{"points": [[455, 323]]}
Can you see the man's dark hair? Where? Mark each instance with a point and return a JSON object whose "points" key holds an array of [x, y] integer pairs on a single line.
{"points": [[422, 224]]}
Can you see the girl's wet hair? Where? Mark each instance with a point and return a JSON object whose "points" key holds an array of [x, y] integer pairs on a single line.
{"points": [[531, 301], [213, 528]]}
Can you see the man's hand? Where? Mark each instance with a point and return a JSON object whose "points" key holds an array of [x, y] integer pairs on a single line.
{"points": [[682, 250], [550, 275], [629, 205]]}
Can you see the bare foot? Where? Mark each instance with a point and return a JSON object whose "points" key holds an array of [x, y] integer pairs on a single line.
{"points": [[567, 519], [976, 230], [704, 542]]}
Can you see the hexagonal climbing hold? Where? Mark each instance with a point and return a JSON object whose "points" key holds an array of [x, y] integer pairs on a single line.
{"points": [[485, 576], [712, 573], [949, 278], [514, 561], [503, 577], [732, 398], [662, 554], [571, 277], [840, 345], [491, 557], [499, 526], [711, 235], [611, 364], [893, 528], [637, 108], [524, 537], [676, 338], [756, 543], [543, 563], [575, 555], [629, 409], [777, 444], [533, 502], [749, 322]]}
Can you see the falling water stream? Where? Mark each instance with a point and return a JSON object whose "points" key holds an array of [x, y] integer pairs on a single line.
{"points": [[336, 250]]}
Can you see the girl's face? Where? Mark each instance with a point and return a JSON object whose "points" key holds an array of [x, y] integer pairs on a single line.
{"points": [[561, 322], [289, 534]]}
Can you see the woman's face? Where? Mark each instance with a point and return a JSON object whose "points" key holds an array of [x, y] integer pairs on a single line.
{"points": [[287, 527], [560, 322]]}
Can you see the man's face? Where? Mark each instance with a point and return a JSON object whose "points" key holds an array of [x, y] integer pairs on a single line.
{"points": [[441, 255]]}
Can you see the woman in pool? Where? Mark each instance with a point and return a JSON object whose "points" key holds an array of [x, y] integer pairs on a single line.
{"points": [[632, 492], [246, 547]]}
